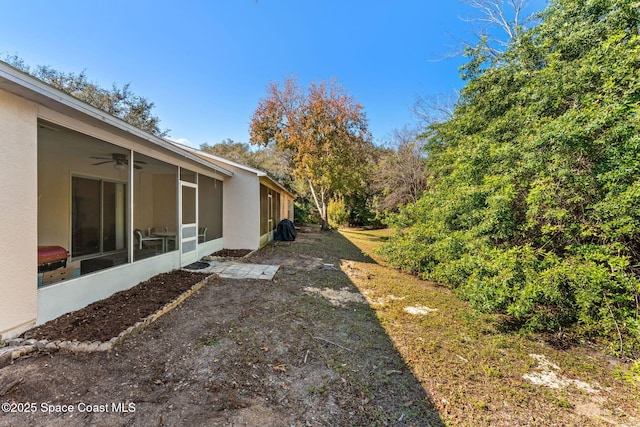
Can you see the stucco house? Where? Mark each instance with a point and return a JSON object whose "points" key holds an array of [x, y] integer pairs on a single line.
{"points": [[123, 204]]}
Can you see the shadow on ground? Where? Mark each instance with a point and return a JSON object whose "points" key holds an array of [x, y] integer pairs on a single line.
{"points": [[302, 350], [362, 353]]}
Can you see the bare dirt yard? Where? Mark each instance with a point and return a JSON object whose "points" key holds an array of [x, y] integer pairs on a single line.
{"points": [[238, 352], [337, 338]]}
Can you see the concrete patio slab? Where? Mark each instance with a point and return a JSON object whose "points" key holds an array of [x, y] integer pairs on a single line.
{"points": [[233, 270]]}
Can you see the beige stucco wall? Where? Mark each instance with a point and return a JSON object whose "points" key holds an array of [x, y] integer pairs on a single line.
{"points": [[241, 210], [18, 217]]}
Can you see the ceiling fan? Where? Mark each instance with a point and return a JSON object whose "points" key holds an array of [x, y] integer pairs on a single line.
{"points": [[120, 161]]}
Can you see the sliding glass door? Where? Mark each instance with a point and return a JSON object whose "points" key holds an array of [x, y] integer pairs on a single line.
{"points": [[98, 216]]}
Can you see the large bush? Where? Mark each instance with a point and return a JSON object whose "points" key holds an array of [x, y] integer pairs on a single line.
{"points": [[534, 202], [337, 213]]}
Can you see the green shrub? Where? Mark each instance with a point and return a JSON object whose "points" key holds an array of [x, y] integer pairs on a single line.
{"points": [[305, 212], [337, 212], [533, 206]]}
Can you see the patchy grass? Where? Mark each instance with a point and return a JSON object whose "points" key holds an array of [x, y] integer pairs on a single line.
{"points": [[479, 374], [338, 338]]}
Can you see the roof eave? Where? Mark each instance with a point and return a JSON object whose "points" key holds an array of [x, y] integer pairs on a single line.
{"points": [[261, 174], [32, 89]]}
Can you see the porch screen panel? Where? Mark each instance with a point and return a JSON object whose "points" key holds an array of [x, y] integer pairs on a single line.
{"points": [[276, 211], [210, 207], [188, 205], [264, 210], [109, 229], [98, 218], [188, 176], [218, 197], [114, 216], [269, 209], [155, 207], [85, 216]]}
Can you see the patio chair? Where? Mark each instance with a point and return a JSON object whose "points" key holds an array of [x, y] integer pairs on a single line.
{"points": [[202, 234], [151, 240]]}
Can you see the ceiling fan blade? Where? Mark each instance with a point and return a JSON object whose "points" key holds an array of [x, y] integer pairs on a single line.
{"points": [[139, 161], [137, 167], [101, 158], [101, 163]]}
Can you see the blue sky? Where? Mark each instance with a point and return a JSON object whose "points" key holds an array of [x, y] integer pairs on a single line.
{"points": [[206, 64]]}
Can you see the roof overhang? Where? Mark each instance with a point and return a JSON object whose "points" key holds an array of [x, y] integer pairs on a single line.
{"points": [[32, 89], [266, 179], [262, 175]]}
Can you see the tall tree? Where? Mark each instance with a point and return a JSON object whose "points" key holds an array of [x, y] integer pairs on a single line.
{"points": [[399, 176], [119, 102], [324, 129], [502, 22], [499, 24], [271, 160], [229, 149], [505, 15]]}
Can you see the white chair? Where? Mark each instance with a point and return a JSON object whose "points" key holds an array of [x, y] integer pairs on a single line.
{"points": [[150, 240], [202, 234]]}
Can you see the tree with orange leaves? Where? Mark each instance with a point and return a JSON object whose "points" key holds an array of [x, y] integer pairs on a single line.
{"points": [[325, 131]]}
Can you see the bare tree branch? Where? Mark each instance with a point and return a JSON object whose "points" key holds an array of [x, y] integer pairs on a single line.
{"points": [[503, 14], [494, 13], [399, 176], [435, 109]]}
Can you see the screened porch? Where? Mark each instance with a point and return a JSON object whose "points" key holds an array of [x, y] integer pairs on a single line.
{"points": [[108, 206]]}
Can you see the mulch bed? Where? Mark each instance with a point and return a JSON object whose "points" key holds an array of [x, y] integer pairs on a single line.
{"points": [[107, 318], [232, 253]]}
